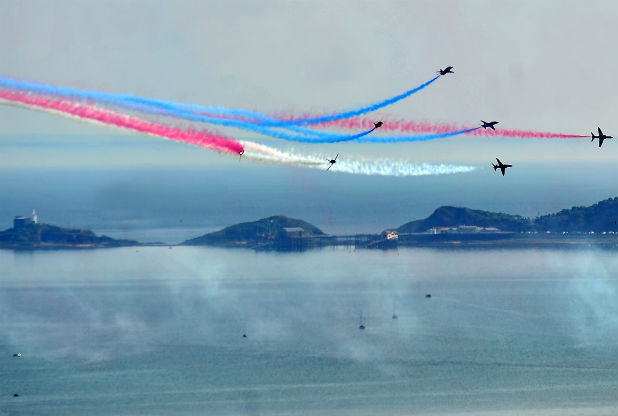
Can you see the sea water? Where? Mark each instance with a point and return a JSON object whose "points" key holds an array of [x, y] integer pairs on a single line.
{"points": [[156, 331]]}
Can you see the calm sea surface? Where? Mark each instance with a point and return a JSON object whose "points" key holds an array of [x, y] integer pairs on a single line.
{"points": [[156, 331]]}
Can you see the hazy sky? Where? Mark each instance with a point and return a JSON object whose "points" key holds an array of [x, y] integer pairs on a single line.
{"points": [[539, 65], [546, 65]]}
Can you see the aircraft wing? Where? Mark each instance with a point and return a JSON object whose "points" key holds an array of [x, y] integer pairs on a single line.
{"points": [[500, 163], [503, 169]]}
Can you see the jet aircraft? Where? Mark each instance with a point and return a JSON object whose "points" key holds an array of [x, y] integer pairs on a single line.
{"points": [[501, 165], [601, 136], [490, 124], [377, 125], [445, 71], [332, 162]]}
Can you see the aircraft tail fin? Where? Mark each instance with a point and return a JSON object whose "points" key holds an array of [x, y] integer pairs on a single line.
{"points": [[495, 167]]}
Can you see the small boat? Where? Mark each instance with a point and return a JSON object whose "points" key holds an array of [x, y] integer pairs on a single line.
{"points": [[428, 295], [361, 325]]}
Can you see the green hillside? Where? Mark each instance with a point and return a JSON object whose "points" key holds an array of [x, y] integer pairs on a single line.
{"points": [[454, 216], [599, 217]]}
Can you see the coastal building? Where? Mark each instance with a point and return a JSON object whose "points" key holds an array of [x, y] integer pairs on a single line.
{"points": [[468, 229], [392, 235], [462, 229], [293, 232], [20, 222]]}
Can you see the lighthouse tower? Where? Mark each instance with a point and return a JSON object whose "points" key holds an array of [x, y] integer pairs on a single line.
{"points": [[21, 222]]}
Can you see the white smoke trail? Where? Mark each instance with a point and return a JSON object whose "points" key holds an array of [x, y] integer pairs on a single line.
{"points": [[383, 167]]}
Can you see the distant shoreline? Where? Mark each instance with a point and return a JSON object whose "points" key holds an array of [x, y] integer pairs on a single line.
{"points": [[455, 241], [459, 241], [447, 227]]}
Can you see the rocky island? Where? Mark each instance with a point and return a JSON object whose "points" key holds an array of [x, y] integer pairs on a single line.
{"points": [[447, 226], [276, 232], [28, 233]]}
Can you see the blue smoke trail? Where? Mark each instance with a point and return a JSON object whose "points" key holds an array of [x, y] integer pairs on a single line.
{"points": [[420, 138], [180, 110], [189, 110], [386, 139], [186, 111], [117, 99], [177, 108], [273, 122], [353, 113], [323, 137]]}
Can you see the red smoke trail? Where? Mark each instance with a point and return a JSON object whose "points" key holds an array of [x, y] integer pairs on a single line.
{"points": [[526, 134], [402, 126], [200, 138], [406, 126]]}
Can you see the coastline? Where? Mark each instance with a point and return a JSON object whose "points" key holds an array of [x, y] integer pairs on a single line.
{"points": [[370, 242]]}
